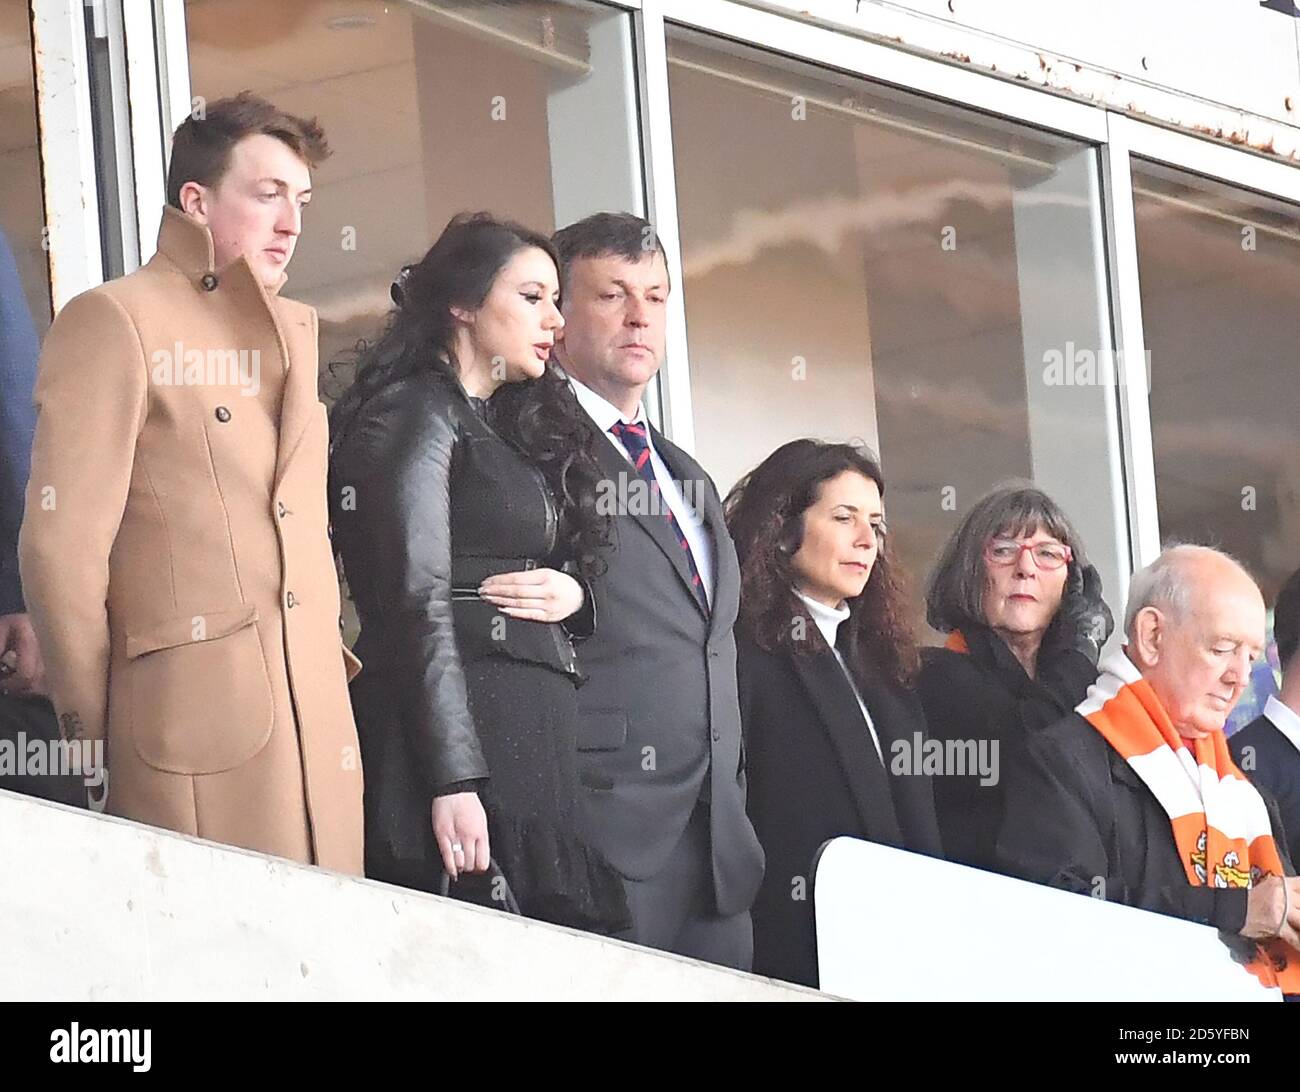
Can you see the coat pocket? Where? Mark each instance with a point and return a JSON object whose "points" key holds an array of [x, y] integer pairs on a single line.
{"points": [[201, 698]]}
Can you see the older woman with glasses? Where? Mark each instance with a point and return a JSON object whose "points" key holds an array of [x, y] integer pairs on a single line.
{"points": [[1025, 620]]}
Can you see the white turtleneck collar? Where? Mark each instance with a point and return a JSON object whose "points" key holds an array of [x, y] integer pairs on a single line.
{"points": [[827, 619]]}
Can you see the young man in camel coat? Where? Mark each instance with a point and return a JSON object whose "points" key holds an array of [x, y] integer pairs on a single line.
{"points": [[175, 548]]}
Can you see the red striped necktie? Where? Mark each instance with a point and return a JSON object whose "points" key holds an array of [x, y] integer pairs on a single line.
{"points": [[637, 444]]}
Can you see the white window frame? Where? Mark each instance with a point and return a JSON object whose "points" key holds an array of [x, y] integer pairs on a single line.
{"points": [[1117, 137], [819, 46], [69, 178], [1217, 162], [157, 105]]}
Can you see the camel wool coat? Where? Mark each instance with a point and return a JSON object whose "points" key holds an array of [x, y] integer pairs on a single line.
{"points": [[176, 560]]}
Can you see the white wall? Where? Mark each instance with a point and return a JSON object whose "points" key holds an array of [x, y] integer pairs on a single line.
{"points": [[978, 936], [96, 908]]}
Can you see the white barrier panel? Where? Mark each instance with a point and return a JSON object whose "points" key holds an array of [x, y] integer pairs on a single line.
{"points": [[898, 926], [96, 908]]}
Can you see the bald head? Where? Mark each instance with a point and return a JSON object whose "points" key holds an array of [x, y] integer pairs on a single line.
{"points": [[1195, 622]]}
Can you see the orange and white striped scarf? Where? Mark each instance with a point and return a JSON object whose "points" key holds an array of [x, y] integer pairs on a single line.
{"points": [[1221, 825]]}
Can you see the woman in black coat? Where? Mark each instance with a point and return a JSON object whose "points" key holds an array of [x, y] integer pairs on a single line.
{"points": [[824, 658], [1022, 606], [461, 561]]}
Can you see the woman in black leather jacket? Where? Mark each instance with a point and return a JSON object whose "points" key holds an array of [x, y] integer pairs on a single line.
{"points": [[461, 533]]}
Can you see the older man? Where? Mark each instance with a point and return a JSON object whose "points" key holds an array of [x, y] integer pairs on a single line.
{"points": [[174, 549], [1134, 796]]}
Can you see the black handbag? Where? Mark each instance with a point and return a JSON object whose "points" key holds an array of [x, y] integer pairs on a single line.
{"points": [[502, 897]]}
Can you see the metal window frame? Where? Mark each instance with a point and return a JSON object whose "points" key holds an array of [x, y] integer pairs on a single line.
{"points": [[69, 178], [74, 216], [673, 383], [1131, 138], [1136, 448], [826, 48], [147, 141], [173, 67]]}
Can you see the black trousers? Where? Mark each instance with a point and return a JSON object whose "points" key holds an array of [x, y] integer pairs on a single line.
{"points": [[24, 721], [675, 911]]}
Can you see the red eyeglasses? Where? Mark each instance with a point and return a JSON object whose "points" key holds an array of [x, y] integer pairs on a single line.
{"points": [[1047, 555]]}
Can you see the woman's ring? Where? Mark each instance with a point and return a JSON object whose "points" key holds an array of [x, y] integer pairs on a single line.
{"points": [[457, 848]]}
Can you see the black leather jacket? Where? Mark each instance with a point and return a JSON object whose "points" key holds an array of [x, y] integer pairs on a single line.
{"points": [[427, 500]]}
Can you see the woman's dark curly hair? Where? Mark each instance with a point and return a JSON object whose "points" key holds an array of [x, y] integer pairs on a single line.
{"points": [[543, 419], [540, 417], [764, 513]]}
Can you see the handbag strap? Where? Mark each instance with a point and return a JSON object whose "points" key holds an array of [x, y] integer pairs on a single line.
{"points": [[506, 897]]}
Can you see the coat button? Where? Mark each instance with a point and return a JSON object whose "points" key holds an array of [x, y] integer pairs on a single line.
{"points": [[223, 414], [209, 282], [716, 735], [280, 509], [290, 601]]}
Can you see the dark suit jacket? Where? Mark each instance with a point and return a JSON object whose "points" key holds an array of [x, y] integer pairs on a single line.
{"points": [[659, 722], [1275, 769], [1077, 814], [18, 354], [814, 775]]}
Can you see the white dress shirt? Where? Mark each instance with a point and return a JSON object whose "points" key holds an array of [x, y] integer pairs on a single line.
{"points": [[1284, 718], [607, 415], [827, 620]]}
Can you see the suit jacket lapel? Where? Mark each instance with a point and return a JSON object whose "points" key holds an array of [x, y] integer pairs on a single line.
{"points": [[698, 491], [837, 707], [629, 489]]}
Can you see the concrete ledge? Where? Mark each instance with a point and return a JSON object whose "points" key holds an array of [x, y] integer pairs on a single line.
{"points": [[102, 909]]}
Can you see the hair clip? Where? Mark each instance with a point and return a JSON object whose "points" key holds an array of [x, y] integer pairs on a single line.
{"points": [[397, 290]]}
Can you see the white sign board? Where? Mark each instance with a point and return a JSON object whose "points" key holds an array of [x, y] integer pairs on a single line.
{"points": [[898, 926]]}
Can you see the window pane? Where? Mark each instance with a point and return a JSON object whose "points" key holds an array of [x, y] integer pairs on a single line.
{"points": [[523, 109], [863, 263], [1220, 270], [22, 216]]}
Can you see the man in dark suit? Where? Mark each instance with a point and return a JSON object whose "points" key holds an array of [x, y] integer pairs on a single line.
{"points": [[1110, 801], [1268, 748], [659, 740]]}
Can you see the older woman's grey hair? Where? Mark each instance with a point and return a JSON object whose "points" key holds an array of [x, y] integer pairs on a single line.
{"points": [[956, 594]]}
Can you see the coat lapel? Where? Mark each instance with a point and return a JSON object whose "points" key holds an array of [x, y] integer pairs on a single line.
{"points": [[913, 792], [837, 708], [301, 401], [289, 327], [286, 328]]}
